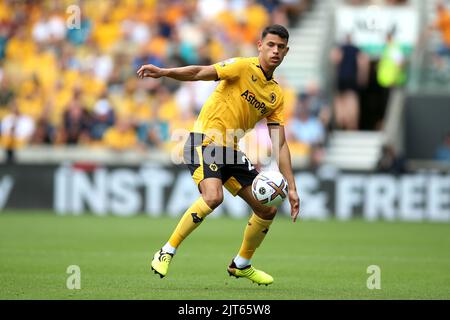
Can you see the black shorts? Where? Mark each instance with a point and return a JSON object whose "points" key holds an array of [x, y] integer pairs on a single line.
{"points": [[208, 160], [344, 85]]}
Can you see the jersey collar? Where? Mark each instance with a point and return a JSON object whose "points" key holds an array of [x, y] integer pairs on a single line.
{"points": [[265, 75]]}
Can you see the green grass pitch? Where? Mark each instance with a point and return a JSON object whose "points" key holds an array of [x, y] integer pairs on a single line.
{"points": [[309, 260]]}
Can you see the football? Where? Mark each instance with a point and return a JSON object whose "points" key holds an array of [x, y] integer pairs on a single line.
{"points": [[270, 188]]}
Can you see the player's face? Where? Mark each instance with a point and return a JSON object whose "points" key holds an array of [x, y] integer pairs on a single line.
{"points": [[272, 50]]}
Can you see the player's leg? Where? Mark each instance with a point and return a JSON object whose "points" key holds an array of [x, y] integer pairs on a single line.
{"points": [[339, 112], [239, 183], [352, 110], [257, 227], [211, 197], [209, 181], [254, 234]]}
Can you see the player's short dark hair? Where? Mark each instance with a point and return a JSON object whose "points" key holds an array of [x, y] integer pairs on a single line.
{"points": [[277, 29]]}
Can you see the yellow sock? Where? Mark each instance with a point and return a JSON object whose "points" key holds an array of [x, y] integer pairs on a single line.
{"points": [[190, 220], [253, 236]]}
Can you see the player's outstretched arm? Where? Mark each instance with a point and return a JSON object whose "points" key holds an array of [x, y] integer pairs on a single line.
{"points": [[188, 73], [283, 157]]}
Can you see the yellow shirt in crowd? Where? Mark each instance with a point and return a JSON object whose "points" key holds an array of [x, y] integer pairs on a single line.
{"points": [[120, 140]]}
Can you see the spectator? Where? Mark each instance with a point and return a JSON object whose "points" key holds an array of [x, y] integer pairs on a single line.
{"points": [[103, 117], [19, 47], [390, 72], [145, 57], [351, 73], [137, 32], [441, 58], [16, 132], [79, 36], [106, 33], [4, 36], [121, 136], [103, 65], [390, 161], [153, 133], [183, 50], [304, 127], [6, 96], [207, 11], [77, 124], [44, 133], [442, 152], [30, 98], [293, 9], [49, 29], [318, 104], [307, 134]]}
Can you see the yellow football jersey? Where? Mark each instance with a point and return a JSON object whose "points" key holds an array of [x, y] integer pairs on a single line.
{"points": [[243, 97]]}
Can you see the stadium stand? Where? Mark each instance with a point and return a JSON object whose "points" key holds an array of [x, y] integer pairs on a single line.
{"points": [[76, 83], [67, 88]]}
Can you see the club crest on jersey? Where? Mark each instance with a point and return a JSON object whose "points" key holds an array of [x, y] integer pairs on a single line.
{"points": [[251, 99], [273, 97]]}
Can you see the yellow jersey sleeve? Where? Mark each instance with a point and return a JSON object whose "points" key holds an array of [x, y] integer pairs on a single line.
{"points": [[230, 69], [277, 116]]}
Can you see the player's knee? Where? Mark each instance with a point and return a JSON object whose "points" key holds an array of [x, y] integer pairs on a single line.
{"points": [[213, 198], [267, 213]]}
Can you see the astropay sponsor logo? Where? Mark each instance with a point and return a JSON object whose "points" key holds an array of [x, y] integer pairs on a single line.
{"points": [[250, 97]]}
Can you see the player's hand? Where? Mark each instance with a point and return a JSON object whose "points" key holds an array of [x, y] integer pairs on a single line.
{"points": [[295, 204], [149, 70]]}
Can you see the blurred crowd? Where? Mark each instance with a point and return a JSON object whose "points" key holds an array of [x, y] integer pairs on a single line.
{"points": [[68, 68], [68, 72]]}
